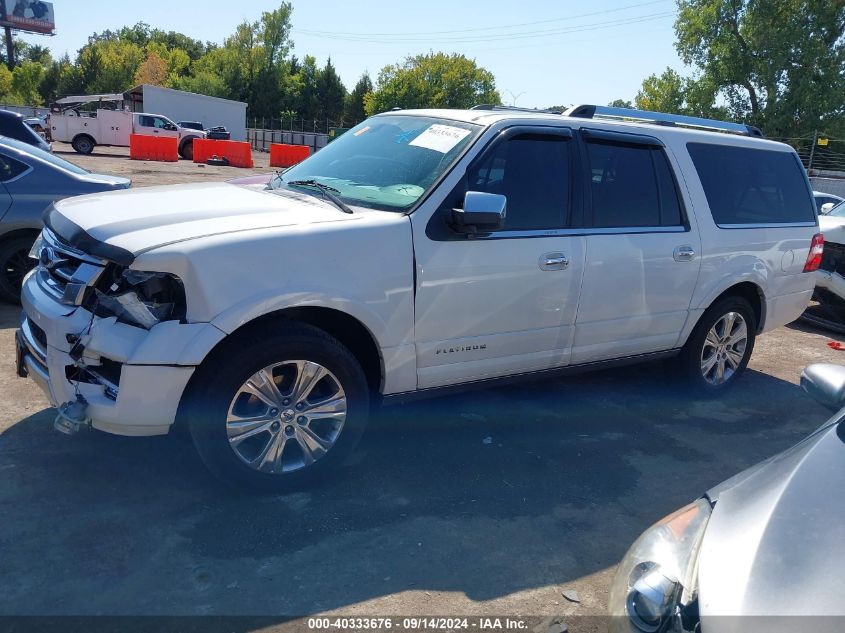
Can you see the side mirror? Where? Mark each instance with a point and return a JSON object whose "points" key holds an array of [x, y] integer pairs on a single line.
{"points": [[825, 383], [826, 207], [482, 213]]}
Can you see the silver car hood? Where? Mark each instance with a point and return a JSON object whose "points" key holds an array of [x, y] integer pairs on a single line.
{"points": [[134, 221], [775, 544]]}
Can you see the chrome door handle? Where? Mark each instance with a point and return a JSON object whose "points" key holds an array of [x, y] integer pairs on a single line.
{"points": [[684, 253], [554, 261]]}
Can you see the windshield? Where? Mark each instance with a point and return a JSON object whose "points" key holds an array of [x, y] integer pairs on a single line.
{"points": [[387, 162], [39, 153]]}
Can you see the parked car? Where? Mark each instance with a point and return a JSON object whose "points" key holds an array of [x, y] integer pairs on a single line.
{"points": [[220, 133], [192, 125], [825, 201], [30, 180], [758, 552], [12, 126], [827, 309], [85, 129], [38, 126], [423, 250]]}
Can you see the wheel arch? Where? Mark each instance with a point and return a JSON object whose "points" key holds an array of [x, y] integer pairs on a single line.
{"points": [[748, 290], [187, 140], [347, 329], [86, 135]]}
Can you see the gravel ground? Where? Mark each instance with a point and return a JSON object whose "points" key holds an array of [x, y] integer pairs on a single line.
{"points": [[430, 518], [145, 173]]}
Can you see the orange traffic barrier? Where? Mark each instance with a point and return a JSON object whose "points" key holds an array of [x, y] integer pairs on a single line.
{"points": [[238, 153], [146, 147], [282, 155]]}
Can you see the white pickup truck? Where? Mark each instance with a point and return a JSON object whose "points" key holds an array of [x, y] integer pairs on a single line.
{"points": [[422, 250], [85, 130]]}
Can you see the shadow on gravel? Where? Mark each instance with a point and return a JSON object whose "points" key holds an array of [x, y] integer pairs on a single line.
{"points": [[486, 494]]}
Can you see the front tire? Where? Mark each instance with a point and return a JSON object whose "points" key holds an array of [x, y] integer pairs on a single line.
{"points": [[719, 348], [15, 263], [277, 409], [187, 149]]}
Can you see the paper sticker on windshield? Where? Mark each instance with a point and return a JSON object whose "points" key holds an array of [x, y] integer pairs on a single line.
{"points": [[440, 138]]}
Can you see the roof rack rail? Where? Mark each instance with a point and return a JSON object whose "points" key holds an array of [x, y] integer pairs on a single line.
{"points": [[493, 106], [661, 118]]}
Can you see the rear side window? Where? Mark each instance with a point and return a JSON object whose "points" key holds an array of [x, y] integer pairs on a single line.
{"points": [[631, 186], [10, 168], [746, 185]]}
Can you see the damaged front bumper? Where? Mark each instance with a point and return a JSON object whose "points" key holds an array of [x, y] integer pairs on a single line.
{"points": [[130, 379]]}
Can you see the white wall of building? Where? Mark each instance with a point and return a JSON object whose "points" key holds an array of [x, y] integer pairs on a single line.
{"points": [[188, 106]]}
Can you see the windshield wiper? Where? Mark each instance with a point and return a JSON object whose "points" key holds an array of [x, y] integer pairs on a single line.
{"points": [[327, 191]]}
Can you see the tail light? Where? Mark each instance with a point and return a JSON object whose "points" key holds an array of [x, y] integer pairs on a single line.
{"points": [[814, 257]]}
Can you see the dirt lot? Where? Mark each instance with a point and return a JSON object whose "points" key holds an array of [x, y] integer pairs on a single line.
{"points": [[146, 173], [429, 519]]}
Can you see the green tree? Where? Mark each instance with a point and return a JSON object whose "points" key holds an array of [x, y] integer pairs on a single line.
{"points": [[434, 80], [153, 71], [620, 103], [776, 64], [354, 110], [306, 79], [672, 93], [662, 93], [331, 93], [26, 77]]}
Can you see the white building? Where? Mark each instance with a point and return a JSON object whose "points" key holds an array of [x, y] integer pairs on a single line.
{"points": [[178, 105]]}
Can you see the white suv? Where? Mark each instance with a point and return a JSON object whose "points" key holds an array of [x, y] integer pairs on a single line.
{"points": [[421, 250]]}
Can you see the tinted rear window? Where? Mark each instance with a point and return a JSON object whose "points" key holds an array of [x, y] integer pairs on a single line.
{"points": [[745, 185], [631, 185]]}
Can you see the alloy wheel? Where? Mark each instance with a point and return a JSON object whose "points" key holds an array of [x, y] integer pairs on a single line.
{"points": [[286, 416], [724, 348]]}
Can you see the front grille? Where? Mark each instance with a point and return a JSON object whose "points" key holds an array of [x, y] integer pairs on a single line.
{"points": [[64, 271]]}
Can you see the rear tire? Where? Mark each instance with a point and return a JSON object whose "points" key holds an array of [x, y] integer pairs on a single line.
{"points": [[719, 348], [83, 144], [15, 263], [277, 408]]}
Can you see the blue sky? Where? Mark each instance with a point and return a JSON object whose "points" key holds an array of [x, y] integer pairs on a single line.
{"points": [[542, 52]]}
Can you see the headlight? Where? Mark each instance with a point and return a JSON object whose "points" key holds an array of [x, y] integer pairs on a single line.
{"points": [[657, 577], [143, 298]]}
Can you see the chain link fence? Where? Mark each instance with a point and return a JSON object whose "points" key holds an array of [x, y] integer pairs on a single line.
{"points": [[819, 153], [824, 159], [315, 133]]}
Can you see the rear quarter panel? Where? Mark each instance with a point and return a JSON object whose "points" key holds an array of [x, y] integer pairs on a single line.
{"points": [[771, 257]]}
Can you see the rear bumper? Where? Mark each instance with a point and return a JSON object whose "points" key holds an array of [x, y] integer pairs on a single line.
{"points": [[132, 379], [786, 308]]}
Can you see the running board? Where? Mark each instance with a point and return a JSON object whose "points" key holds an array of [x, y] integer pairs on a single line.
{"points": [[543, 374]]}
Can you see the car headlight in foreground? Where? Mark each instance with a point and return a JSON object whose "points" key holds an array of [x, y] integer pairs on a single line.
{"points": [[654, 589], [143, 299]]}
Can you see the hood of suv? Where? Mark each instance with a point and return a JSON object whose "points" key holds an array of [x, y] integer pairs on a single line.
{"points": [[137, 220], [776, 540]]}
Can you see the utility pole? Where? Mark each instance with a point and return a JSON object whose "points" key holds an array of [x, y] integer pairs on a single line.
{"points": [[10, 48], [813, 149], [514, 97]]}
